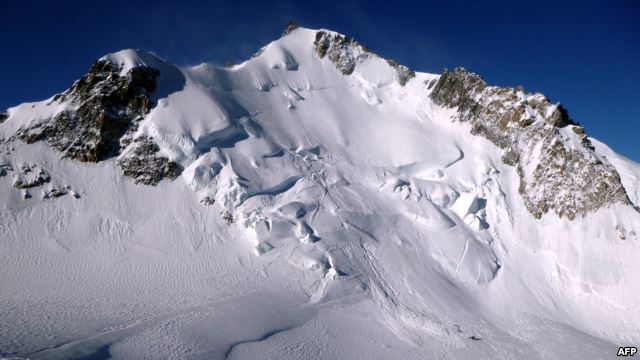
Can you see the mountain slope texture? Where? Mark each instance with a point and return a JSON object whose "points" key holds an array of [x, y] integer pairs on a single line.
{"points": [[314, 202]]}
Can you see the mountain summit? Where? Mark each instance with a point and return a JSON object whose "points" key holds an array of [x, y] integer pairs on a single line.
{"points": [[314, 201]]}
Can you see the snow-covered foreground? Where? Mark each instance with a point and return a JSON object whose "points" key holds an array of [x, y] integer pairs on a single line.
{"points": [[352, 219]]}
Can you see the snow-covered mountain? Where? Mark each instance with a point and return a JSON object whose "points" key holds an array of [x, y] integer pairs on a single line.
{"points": [[314, 202]]}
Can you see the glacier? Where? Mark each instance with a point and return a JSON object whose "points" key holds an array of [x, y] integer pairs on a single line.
{"points": [[320, 204]]}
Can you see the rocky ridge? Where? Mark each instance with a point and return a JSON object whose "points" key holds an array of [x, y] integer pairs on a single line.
{"points": [[345, 52], [557, 165], [105, 110], [559, 169], [141, 162]]}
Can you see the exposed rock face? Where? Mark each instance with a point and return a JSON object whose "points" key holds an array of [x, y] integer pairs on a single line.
{"points": [[404, 73], [27, 177], [343, 51], [141, 162], [3, 116], [5, 166], [556, 173], [30, 176], [207, 200], [53, 193], [291, 25], [107, 107], [105, 111]]}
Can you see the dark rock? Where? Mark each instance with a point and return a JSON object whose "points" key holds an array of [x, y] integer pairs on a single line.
{"points": [[343, 51], [108, 106], [457, 88], [30, 177], [404, 73], [291, 25], [430, 84], [559, 117], [568, 181], [322, 43], [142, 163], [5, 167], [207, 200], [55, 193], [3, 116], [227, 217]]}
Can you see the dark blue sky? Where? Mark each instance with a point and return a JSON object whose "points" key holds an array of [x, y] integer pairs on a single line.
{"points": [[585, 54]]}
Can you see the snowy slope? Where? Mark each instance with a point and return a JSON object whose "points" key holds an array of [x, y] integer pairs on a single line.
{"points": [[318, 215]]}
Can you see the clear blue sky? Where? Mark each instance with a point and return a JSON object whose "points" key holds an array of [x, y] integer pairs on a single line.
{"points": [[585, 54]]}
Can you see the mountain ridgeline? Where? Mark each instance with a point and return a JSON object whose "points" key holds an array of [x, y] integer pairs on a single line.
{"points": [[105, 110], [568, 178], [327, 202]]}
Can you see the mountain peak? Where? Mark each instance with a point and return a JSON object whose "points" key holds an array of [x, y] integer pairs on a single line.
{"points": [[559, 168], [289, 27], [316, 187], [128, 59]]}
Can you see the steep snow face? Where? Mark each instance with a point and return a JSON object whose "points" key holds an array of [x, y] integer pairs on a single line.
{"points": [[325, 206]]}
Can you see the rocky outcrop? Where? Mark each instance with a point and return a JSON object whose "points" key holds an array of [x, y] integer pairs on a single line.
{"points": [[5, 166], [30, 176], [3, 116], [104, 110], [106, 106], [142, 162], [291, 25], [559, 170], [343, 51], [404, 73], [53, 193]]}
